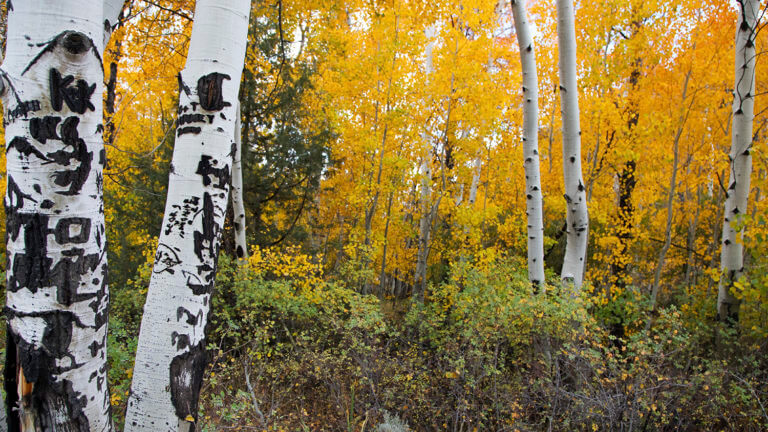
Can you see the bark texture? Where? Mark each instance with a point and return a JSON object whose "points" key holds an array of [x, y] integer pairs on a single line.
{"points": [[171, 354], [740, 157], [238, 205], [57, 296], [531, 144], [577, 218]]}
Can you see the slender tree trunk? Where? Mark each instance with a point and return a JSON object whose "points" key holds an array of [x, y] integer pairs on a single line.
{"points": [[670, 204], [531, 144], [732, 254], [57, 295], [425, 221], [383, 272], [171, 354], [690, 269], [577, 217], [238, 205]]}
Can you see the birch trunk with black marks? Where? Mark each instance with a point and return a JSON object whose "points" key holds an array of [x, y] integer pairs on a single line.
{"points": [[171, 354], [531, 144], [57, 295], [577, 218], [238, 204], [740, 157]]}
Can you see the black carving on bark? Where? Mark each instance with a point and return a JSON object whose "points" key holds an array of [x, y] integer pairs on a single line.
{"points": [[207, 170], [43, 129], [77, 97], [210, 93], [186, 379]]}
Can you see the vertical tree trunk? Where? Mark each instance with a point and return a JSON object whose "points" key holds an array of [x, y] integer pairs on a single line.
{"points": [[425, 221], [531, 144], [577, 217], [732, 254], [57, 295], [238, 205], [670, 203], [171, 354]]}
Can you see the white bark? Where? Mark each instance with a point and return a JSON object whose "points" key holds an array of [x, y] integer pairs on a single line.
{"points": [[425, 221], [732, 253], [56, 279], [576, 200], [171, 354], [111, 16], [238, 205], [534, 201]]}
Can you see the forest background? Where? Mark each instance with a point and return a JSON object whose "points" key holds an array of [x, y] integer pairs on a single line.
{"points": [[319, 328]]}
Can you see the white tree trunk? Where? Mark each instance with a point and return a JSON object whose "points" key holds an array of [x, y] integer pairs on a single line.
{"points": [[56, 278], [575, 196], [238, 205], [111, 16], [425, 221], [531, 144], [732, 253], [171, 354]]}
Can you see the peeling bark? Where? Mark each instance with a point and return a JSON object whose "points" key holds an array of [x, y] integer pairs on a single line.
{"points": [[57, 293], [740, 157], [171, 354], [534, 200], [577, 217]]}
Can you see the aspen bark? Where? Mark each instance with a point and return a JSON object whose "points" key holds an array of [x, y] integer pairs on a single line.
{"points": [[425, 221], [112, 16], [425, 224], [238, 204], [577, 217], [740, 157], [171, 354], [533, 196], [57, 295]]}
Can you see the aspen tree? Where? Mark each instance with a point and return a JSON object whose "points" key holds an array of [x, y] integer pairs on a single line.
{"points": [[57, 295], [531, 144], [171, 353], [740, 158], [577, 217], [238, 205], [427, 211]]}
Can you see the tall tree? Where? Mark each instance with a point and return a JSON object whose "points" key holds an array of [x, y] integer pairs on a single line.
{"points": [[238, 205], [533, 196], [171, 354], [57, 295], [577, 218], [427, 209], [740, 159]]}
